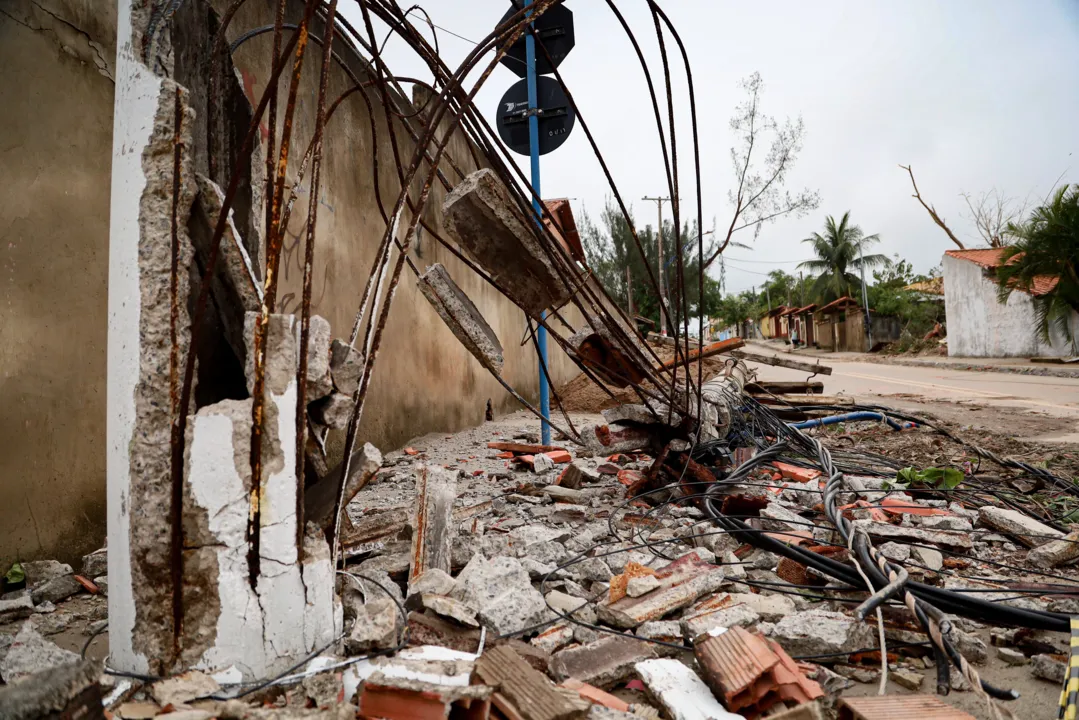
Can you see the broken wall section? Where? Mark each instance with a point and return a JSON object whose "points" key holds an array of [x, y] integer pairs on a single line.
{"points": [[292, 610], [194, 582]]}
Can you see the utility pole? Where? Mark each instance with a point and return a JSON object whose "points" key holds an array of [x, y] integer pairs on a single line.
{"points": [[659, 266], [865, 302], [801, 290], [629, 293]]}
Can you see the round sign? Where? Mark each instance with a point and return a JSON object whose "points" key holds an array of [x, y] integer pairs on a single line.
{"points": [[554, 31], [555, 113]]}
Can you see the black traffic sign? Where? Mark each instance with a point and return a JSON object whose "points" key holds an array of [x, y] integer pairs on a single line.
{"points": [[554, 31], [555, 113]]}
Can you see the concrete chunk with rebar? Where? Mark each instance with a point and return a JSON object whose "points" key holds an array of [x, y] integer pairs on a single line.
{"points": [[462, 317], [483, 218], [432, 520]]}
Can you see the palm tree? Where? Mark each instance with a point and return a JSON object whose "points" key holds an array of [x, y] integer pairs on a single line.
{"points": [[840, 250], [1046, 249]]}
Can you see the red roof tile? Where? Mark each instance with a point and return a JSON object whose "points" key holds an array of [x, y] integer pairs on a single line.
{"points": [[989, 258], [1043, 285], [837, 305], [986, 257]]}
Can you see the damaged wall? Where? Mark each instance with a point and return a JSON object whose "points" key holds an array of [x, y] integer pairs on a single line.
{"points": [[979, 325], [59, 58], [55, 155], [425, 380]]}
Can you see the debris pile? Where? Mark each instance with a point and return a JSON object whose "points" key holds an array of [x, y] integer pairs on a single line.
{"points": [[719, 546], [488, 575]]}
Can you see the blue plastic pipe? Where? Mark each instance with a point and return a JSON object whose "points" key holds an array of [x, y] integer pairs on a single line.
{"points": [[850, 417]]}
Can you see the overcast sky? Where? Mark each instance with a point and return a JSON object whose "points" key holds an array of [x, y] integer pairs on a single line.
{"points": [[975, 94]]}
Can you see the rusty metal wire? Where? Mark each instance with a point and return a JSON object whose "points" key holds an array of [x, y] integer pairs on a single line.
{"points": [[428, 126]]}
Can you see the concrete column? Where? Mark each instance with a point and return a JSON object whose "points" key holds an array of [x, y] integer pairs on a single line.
{"points": [[216, 605], [148, 335], [290, 610]]}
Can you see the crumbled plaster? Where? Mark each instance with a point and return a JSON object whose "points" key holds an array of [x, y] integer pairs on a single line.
{"points": [[161, 366], [217, 485], [294, 610]]}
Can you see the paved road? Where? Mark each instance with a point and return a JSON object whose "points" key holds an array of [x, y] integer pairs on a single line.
{"points": [[1053, 396]]}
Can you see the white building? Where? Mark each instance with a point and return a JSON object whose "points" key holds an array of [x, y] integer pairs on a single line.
{"points": [[981, 326]]}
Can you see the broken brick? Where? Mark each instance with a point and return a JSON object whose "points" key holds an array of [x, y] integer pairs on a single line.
{"points": [[530, 692]]}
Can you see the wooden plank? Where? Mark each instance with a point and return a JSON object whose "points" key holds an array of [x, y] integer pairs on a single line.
{"points": [[777, 361], [529, 692], [668, 340], [522, 448], [376, 525], [805, 400], [707, 351], [780, 388]]}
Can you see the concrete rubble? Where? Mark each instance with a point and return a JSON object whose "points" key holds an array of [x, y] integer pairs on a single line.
{"points": [[531, 588], [692, 547]]}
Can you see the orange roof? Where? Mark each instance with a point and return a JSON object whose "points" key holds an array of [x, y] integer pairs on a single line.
{"points": [[837, 305], [1043, 285], [564, 227], [990, 259], [986, 257]]}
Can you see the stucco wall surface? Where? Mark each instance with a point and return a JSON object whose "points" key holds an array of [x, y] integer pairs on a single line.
{"points": [[56, 93], [55, 155], [981, 326]]}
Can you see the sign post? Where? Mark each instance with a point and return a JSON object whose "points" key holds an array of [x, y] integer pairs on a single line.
{"points": [[533, 150], [546, 108]]}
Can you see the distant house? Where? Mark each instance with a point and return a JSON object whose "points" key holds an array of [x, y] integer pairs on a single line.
{"points": [[981, 326], [800, 323], [773, 324], [840, 326]]}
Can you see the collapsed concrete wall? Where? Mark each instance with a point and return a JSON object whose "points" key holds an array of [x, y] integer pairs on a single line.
{"points": [[53, 456], [209, 563]]}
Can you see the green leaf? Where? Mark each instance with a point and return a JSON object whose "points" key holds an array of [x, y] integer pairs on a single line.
{"points": [[15, 575], [948, 477]]}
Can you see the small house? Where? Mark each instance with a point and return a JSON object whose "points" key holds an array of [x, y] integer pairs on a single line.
{"points": [[839, 326], [979, 325], [772, 324]]}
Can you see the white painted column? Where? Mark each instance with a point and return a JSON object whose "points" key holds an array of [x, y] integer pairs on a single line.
{"points": [[137, 97]]}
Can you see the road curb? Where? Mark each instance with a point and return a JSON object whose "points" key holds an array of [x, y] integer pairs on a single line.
{"points": [[1042, 371]]}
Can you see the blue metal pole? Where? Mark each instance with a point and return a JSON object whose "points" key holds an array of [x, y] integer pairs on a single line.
{"points": [[533, 145]]}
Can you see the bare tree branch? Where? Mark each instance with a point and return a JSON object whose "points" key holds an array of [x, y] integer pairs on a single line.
{"points": [[931, 210], [759, 196], [991, 213]]}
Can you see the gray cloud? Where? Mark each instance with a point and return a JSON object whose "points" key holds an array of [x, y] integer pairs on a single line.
{"points": [[975, 94]]}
